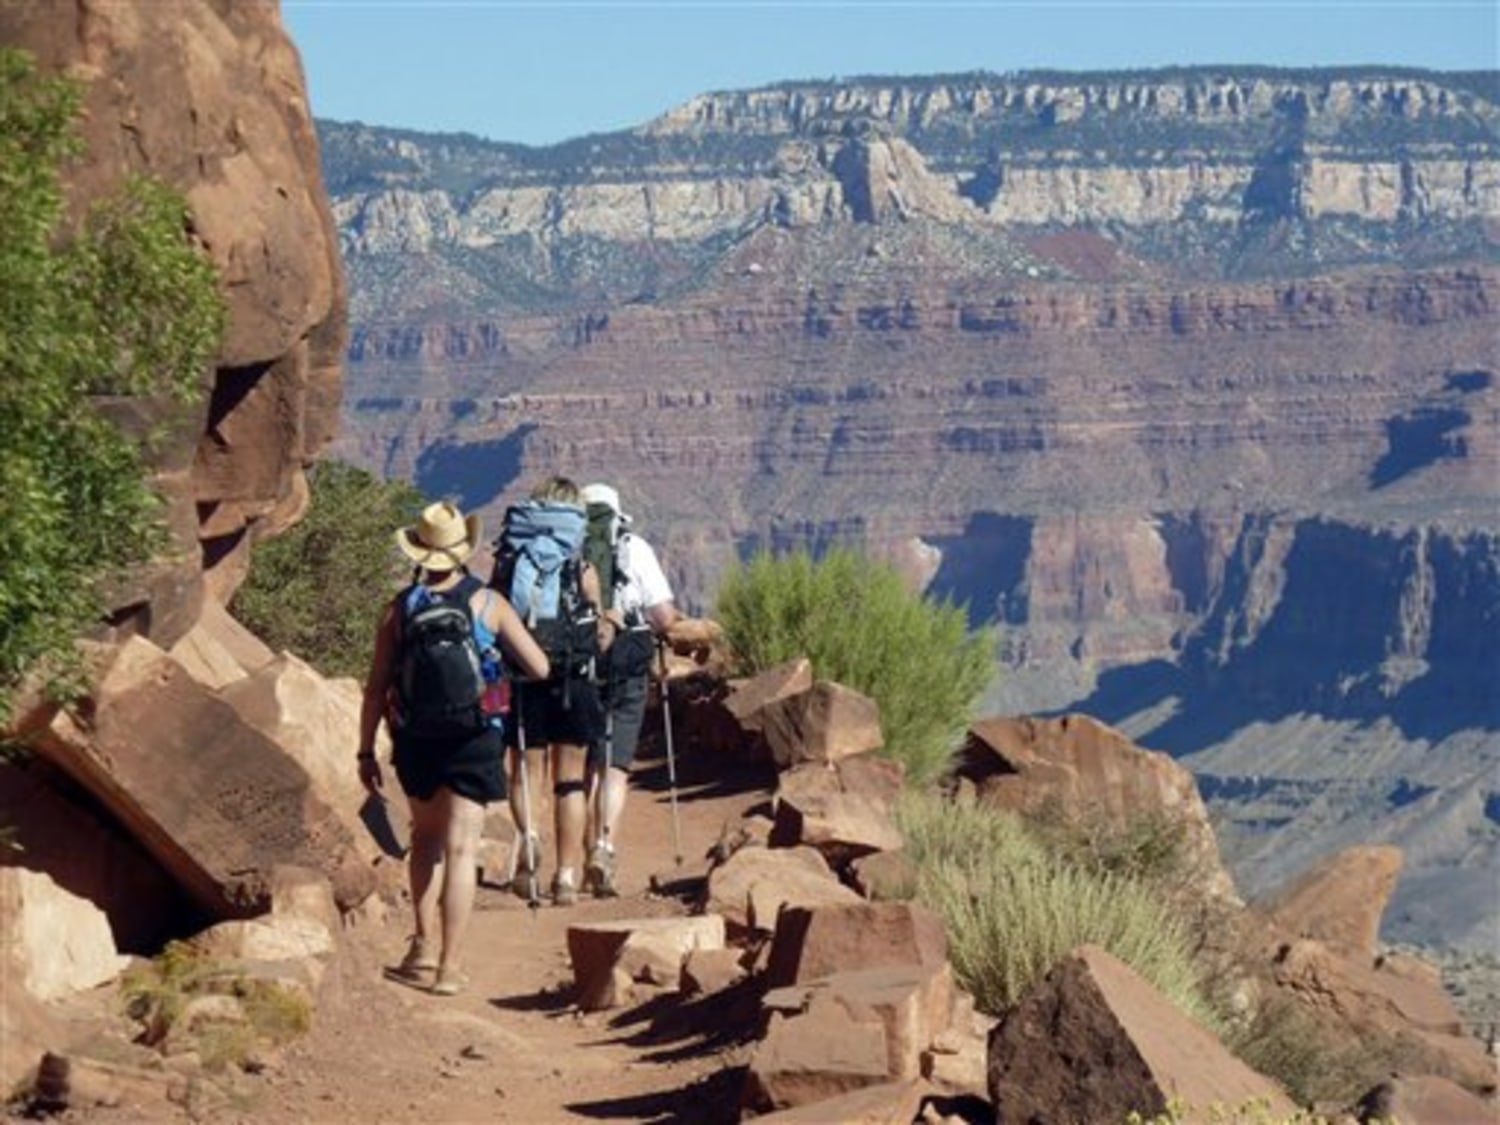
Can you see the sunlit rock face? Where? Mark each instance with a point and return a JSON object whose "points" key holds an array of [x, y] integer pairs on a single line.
{"points": [[210, 98]]}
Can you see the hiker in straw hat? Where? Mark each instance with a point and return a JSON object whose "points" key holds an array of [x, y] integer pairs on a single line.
{"points": [[436, 665]]}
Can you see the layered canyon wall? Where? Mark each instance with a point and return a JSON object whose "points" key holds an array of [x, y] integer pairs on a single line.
{"points": [[1184, 380]]}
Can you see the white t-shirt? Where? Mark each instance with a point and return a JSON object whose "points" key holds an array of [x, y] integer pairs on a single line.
{"points": [[643, 584]]}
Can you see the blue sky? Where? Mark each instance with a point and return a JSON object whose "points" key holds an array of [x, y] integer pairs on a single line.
{"points": [[540, 71]]}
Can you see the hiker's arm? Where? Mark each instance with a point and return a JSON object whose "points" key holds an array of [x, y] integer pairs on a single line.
{"points": [[378, 682], [662, 617], [515, 639], [372, 706], [608, 623]]}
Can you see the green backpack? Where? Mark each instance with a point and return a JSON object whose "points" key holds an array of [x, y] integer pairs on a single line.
{"points": [[599, 544]]}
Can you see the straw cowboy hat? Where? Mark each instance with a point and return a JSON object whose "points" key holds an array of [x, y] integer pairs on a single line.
{"points": [[442, 539]]}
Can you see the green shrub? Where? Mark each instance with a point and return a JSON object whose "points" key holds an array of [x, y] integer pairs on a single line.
{"points": [[1151, 847], [317, 590], [123, 306], [156, 994], [1013, 908], [858, 623], [1257, 1111], [1314, 1061]]}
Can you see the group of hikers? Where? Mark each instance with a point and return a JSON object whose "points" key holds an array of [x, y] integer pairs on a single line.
{"points": [[489, 687]]}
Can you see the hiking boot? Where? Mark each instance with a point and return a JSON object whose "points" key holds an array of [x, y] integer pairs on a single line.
{"points": [[599, 875], [564, 888], [527, 882]]}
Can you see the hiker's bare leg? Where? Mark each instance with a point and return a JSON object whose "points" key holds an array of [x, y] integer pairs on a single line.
{"points": [[423, 857], [568, 763], [614, 784], [464, 822]]}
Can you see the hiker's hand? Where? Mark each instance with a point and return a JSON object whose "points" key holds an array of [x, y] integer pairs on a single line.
{"points": [[370, 776], [694, 637]]}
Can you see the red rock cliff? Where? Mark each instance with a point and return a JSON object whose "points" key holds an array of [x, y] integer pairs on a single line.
{"points": [[209, 97]]}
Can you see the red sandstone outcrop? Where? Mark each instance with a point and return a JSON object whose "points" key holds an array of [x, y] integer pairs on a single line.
{"points": [[217, 802], [1087, 771], [210, 99], [1093, 1042], [1340, 902]]}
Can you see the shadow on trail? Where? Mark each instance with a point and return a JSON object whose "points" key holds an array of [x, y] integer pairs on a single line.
{"points": [[553, 1001], [701, 775], [697, 1026], [714, 1100]]}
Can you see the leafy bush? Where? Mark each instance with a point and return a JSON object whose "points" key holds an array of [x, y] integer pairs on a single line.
{"points": [[858, 623], [1013, 908], [126, 306], [317, 589]]}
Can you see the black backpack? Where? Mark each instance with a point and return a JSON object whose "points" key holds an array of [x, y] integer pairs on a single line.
{"points": [[630, 655], [440, 679], [539, 568]]}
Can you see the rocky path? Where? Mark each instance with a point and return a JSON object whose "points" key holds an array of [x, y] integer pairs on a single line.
{"points": [[512, 1047]]}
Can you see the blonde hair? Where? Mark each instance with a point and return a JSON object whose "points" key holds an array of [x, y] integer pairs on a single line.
{"points": [[560, 490]]}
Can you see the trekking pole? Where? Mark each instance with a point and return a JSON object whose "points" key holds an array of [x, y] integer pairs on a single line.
{"points": [[666, 726], [533, 876]]}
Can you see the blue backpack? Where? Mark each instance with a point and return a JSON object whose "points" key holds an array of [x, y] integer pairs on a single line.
{"points": [[539, 568]]}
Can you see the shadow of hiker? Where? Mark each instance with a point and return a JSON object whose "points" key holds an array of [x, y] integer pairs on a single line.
{"points": [[553, 1001], [711, 1100], [698, 1026], [375, 815], [700, 777]]}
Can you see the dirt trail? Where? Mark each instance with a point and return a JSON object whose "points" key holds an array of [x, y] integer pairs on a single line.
{"points": [[511, 1047]]}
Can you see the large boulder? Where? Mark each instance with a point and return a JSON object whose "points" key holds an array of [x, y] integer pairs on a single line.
{"points": [[1341, 900], [1094, 1041], [848, 1030], [1087, 770], [217, 802], [816, 807], [750, 888], [316, 721], [827, 722], [52, 943], [817, 941]]}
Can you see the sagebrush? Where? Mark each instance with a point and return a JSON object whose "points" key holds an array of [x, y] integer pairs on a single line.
{"points": [[861, 626], [1013, 908]]}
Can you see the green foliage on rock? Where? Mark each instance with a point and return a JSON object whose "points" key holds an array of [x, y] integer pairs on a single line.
{"points": [[317, 589], [1013, 907], [253, 1010], [122, 306], [860, 625]]}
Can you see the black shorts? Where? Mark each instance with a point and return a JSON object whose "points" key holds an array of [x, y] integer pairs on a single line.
{"points": [[554, 712], [471, 767], [626, 701]]}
